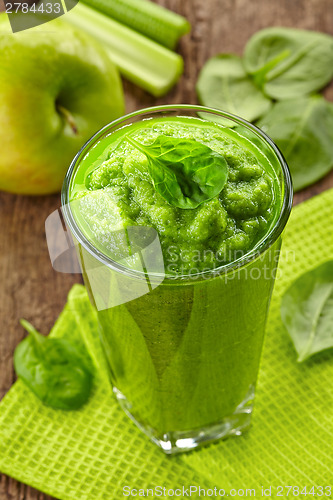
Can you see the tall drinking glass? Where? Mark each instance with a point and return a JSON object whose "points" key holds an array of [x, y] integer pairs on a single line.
{"points": [[183, 349]]}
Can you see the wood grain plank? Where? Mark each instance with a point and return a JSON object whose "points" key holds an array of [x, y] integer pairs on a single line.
{"points": [[29, 286]]}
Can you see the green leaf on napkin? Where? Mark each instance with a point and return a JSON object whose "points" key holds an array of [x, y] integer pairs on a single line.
{"points": [[307, 311], [55, 369]]}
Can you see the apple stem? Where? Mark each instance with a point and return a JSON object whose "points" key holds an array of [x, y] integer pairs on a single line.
{"points": [[68, 117]]}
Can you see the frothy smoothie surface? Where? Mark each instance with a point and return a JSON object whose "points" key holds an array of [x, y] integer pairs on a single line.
{"points": [[112, 188]]}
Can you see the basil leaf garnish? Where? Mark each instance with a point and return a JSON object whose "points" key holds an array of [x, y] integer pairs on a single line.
{"points": [[184, 172], [307, 311], [54, 369]]}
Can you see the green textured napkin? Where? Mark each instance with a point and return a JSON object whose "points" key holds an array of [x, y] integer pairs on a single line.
{"points": [[93, 453]]}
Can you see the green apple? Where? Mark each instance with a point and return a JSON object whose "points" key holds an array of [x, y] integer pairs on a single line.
{"points": [[57, 88]]}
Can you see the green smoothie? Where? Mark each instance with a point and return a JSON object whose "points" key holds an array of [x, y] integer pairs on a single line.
{"points": [[202, 238], [184, 357]]}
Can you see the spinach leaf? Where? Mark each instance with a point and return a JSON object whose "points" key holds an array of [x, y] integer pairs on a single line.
{"points": [[54, 369], [287, 63], [307, 311], [303, 130], [224, 84], [184, 172]]}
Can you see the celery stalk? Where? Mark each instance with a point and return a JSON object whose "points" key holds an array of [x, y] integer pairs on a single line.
{"points": [[139, 59], [148, 18]]}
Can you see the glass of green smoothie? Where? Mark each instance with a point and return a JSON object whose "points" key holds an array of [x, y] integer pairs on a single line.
{"points": [[177, 215]]}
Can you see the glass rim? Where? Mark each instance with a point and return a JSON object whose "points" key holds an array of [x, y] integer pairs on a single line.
{"points": [[264, 243]]}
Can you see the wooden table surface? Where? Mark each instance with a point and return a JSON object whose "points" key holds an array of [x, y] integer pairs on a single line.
{"points": [[29, 286]]}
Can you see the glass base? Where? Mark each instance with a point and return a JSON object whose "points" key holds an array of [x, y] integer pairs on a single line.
{"points": [[179, 441]]}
